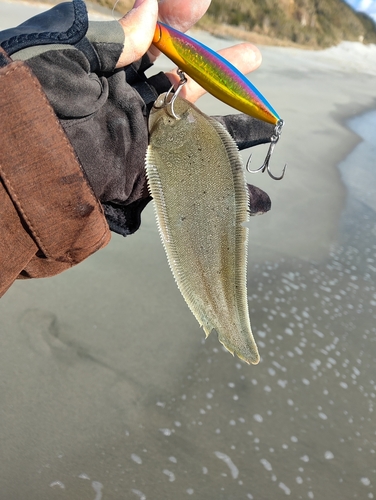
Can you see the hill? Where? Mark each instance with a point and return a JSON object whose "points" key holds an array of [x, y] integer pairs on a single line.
{"points": [[316, 23], [309, 23]]}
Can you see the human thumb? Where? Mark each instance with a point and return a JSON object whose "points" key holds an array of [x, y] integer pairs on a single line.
{"points": [[138, 26]]}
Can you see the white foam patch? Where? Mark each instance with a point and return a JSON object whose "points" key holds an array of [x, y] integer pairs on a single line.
{"points": [[230, 464], [97, 487], [266, 464], [59, 484], [285, 488], [136, 459], [140, 495], [169, 474], [166, 432], [365, 481]]}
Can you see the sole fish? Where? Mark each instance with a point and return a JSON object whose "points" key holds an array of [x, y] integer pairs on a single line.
{"points": [[196, 178]]}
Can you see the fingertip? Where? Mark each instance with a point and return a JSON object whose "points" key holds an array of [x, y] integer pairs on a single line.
{"points": [[251, 55], [255, 54]]}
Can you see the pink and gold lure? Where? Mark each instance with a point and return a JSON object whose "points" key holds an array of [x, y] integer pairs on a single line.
{"points": [[214, 73]]}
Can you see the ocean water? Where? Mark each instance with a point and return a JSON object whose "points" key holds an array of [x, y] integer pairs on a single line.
{"points": [[358, 170]]}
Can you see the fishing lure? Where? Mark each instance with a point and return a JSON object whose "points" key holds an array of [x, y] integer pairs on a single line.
{"points": [[195, 176], [220, 78], [214, 73]]}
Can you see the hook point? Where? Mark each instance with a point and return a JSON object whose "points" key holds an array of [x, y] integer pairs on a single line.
{"points": [[265, 166]]}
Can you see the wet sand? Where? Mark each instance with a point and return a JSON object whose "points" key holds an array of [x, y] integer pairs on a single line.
{"points": [[108, 389]]}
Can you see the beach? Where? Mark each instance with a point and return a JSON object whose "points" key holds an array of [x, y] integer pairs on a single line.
{"points": [[109, 390]]}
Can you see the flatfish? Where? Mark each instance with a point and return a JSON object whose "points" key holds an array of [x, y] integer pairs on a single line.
{"points": [[196, 178]]}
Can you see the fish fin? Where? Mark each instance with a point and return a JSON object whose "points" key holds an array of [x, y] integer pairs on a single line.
{"points": [[250, 355], [156, 190], [247, 349], [207, 329]]}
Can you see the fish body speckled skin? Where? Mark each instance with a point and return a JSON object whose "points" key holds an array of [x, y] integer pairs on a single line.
{"points": [[196, 178]]}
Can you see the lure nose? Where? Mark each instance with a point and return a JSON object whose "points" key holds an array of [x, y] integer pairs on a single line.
{"points": [[157, 34], [167, 41]]}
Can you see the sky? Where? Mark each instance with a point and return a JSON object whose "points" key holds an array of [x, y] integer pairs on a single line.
{"points": [[367, 6]]}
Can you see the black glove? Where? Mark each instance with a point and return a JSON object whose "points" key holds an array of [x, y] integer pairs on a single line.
{"points": [[104, 110]]}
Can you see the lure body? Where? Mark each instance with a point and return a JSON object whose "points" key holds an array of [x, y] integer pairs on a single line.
{"points": [[196, 179], [213, 72]]}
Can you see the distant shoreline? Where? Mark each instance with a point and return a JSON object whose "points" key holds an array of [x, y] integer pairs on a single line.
{"points": [[227, 32]]}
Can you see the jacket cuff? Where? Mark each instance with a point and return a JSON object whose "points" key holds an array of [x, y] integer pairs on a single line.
{"points": [[41, 175]]}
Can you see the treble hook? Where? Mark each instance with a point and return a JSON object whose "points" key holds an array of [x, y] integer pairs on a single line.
{"points": [[265, 166], [166, 102]]}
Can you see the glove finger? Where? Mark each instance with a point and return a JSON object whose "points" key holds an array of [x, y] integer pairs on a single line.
{"points": [[245, 130], [259, 201]]}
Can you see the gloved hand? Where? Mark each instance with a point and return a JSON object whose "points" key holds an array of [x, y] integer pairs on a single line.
{"points": [[94, 79]]}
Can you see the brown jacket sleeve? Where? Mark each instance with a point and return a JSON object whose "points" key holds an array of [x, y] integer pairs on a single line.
{"points": [[50, 219]]}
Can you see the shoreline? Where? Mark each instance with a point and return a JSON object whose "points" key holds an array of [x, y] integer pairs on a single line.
{"points": [[361, 183]]}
